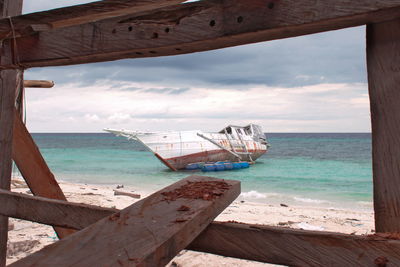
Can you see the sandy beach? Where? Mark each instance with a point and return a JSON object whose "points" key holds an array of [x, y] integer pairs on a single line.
{"points": [[27, 237]]}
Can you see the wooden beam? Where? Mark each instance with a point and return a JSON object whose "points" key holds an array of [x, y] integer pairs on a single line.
{"points": [[383, 58], [293, 247], [75, 15], [38, 84], [10, 81], [198, 26], [148, 233], [50, 211], [253, 242], [34, 169], [10, 8]]}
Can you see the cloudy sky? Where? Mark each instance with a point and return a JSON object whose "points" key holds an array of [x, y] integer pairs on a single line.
{"points": [[314, 83]]}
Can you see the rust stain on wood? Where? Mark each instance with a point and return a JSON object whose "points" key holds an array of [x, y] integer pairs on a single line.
{"points": [[208, 190]]}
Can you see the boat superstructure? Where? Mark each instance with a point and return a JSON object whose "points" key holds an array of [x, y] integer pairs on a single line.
{"points": [[177, 149]]}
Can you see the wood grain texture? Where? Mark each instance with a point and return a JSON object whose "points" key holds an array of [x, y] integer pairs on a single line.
{"points": [[383, 58], [9, 81], [10, 8], [254, 242], [50, 211], [148, 233], [38, 84], [75, 15], [34, 169], [198, 26], [293, 247]]}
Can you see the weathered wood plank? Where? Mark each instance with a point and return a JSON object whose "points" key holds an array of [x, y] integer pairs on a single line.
{"points": [[10, 8], [34, 169], [147, 233], [50, 211], [383, 58], [75, 15], [9, 81], [254, 242], [296, 247], [38, 84], [198, 26]]}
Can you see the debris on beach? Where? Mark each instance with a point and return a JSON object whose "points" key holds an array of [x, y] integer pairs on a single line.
{"points": [[288, 223], [122, 193], [17, 183], [16, 248]]}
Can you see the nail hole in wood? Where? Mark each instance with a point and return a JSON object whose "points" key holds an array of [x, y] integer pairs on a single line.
{"points": [[166, 30], [240, 19], [130, 28], [114, 31], [155, 35], [178, 49], [212, 23], [152, 52]]}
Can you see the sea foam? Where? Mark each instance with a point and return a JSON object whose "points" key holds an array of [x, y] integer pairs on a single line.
{"points": [[253, 194], [310, 200]]}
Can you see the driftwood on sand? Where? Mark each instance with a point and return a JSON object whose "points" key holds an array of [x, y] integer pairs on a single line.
{"points": [[123, 193]]}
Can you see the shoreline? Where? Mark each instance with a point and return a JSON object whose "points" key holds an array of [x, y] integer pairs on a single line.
{"points": [[251, 195], [349, 221]]}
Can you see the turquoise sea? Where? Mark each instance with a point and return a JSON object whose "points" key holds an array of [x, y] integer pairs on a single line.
{"points": [[329, 169]]}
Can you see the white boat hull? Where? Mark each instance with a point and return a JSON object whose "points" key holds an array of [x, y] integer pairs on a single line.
{"points": [[178, 149]]}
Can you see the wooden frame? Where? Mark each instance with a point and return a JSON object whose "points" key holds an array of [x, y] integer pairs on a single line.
{"points": [[116, 29]]}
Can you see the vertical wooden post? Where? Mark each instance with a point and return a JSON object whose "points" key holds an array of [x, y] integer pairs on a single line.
{"points": [[9, 82], [383, 60]]}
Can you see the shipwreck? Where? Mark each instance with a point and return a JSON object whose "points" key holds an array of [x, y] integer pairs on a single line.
{"points": [[116, 29]]}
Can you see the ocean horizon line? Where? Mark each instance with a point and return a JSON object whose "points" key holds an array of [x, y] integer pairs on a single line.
{"points": [[102, 132]]}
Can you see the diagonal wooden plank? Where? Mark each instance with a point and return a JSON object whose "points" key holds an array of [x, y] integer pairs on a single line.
{"points": [[51, 211], [383, 63], [75, 15], [147, 233], [198, 26], [292, 247], [34, 169]]}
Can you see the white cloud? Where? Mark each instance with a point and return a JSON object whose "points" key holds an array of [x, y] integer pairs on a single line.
{"points": [[91, 118], [118, 118], [141, 106]]}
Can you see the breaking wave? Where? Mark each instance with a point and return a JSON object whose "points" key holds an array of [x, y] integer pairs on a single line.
{"points": [[253, 194], [310, 200]]}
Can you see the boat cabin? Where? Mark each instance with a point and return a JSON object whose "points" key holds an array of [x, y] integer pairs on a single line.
{"points": [[252, 130]]}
